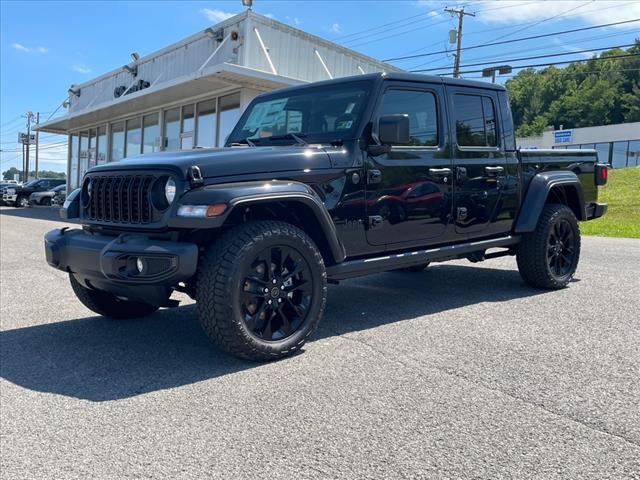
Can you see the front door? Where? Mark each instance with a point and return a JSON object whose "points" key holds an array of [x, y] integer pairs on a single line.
{"points": [[409, 188], [479, 159]]}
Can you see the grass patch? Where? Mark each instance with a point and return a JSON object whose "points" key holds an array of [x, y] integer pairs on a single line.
{"points": [[622, 194]]}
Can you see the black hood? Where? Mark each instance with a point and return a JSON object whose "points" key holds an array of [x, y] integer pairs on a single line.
{"points": [[221, 162]]}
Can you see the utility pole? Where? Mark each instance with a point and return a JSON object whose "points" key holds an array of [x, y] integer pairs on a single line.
{"points": [[28, 146], [37, 140], [460, 13]]}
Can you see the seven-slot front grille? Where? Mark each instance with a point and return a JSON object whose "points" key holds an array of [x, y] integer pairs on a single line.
{"points": [[119, 198]]}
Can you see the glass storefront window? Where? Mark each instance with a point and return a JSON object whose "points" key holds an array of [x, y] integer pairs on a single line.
{"points": [[619, 154], [229, 116], [188, 123], [73, 162], [206, 127], [172, 129], [117, 142], [151, 130], [633, 157], [134, 137], [84, 154], [101, 145], [603, 152], [92, 148]]}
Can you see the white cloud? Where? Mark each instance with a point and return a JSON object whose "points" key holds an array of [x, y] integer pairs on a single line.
{"points": [[335, 28], [215, 15], [270, 15], [295, 20], [22, 48], [571, 48], [19, 46], [433, 14], [603, 11], [81, 69]]}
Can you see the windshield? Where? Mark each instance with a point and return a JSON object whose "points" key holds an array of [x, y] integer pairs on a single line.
{"points": [[322, 114], [32, 183]]}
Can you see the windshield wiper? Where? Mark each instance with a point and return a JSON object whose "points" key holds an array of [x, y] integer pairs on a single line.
{"points": [[296, 137], [244, 141]]}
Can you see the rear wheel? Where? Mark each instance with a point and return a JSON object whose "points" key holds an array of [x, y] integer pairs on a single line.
{"points": [[261, 290], [548, 257], [108, 305]]}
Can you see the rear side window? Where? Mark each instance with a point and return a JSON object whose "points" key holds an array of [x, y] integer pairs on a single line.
{"points": [[475, 121], [420, 107]]}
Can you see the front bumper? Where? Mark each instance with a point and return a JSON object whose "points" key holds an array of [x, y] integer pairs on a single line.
{"points": [[9, 198], [596, 210], [110, 263]]}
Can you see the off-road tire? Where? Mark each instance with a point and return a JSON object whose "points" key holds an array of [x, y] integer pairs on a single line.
{"points": [[531, 254], [108, 305], [218, 290]]}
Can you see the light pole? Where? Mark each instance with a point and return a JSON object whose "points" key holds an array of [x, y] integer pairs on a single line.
{"points": [[491, 71]]}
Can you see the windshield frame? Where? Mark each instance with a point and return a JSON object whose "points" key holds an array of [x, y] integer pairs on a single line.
{"points": [[368, 85]]}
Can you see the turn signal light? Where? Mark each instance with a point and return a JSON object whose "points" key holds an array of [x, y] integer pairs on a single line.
{"points": [[202, 211], [601, 174]]}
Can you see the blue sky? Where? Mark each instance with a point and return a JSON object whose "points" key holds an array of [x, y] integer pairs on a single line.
{"points": [[46, 46]]}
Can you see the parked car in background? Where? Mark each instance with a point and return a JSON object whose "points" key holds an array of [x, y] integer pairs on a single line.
{"points": [[18, 196], [47, 197]]}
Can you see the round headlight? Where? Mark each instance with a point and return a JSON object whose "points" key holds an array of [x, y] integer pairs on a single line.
{"points": [[170, 190]]}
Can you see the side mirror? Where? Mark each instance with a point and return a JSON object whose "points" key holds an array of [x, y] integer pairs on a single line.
{"points": [[393, 129]]}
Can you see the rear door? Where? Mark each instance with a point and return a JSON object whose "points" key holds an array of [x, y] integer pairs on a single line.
{"points": [[479, 159], [408, 189]]}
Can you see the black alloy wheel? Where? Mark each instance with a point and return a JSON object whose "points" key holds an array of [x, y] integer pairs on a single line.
{"points": [[277, 293], [561, 250], [261, 290], [548, 257]]}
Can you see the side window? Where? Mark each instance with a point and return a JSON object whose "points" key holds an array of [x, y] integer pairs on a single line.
{"points": [[422, 112], [475, 121]]}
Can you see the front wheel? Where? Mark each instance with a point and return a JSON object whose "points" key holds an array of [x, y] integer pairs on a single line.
{"points": [[22, 201], [107, 305], [548, 256], [261, 290], [46, 201]]}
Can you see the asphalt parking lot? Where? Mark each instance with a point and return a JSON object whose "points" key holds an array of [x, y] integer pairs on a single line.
{"points": [[460, 371]]}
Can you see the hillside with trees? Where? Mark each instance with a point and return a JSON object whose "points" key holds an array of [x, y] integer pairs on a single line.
{"points": [[583, 94]]}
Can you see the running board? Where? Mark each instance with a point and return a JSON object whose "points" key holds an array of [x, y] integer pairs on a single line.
{"points": [[366, 266]]}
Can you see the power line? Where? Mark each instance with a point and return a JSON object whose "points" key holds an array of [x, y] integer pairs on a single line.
{"points": [[522, 39], [395, 35], [593, 72], [598, 59], [527, 58], [543, 20]]}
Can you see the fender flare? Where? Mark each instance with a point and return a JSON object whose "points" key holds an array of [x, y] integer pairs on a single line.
{"points": [[243, 194], [539, 187]]}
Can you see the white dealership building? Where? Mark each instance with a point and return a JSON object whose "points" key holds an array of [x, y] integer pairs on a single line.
{"points": [[618, 145], [190, 94]]}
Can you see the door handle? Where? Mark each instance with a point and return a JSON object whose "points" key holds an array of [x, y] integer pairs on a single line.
{"points": [[493, 170], [440, 171], [374, 176]]}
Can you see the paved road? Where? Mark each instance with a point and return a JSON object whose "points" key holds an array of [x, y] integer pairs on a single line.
{"points": [[461, 371]]}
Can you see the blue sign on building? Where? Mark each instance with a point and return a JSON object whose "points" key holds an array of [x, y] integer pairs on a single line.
{"points": [[562, 136]]}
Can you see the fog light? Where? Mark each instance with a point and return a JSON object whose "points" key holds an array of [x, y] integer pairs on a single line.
{"points": [[140, 264]]}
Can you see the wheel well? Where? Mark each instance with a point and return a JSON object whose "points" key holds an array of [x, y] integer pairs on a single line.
{"points": [[293, 212], [566, 195]]}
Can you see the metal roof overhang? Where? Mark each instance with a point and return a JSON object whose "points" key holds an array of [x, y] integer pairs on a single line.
{"points": [[209, 80]]}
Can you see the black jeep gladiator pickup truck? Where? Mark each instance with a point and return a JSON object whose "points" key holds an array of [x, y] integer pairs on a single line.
{"points": [[316, 184]]}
